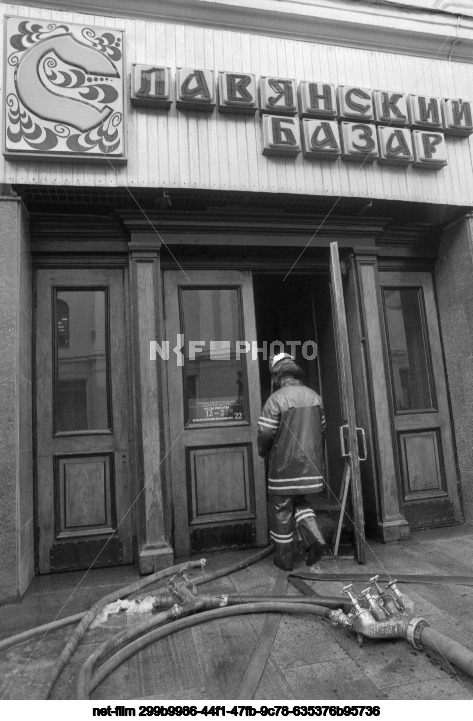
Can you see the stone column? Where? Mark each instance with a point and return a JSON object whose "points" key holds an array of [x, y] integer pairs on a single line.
{"points": [[16, 454], [454, 274], [392, 526], [155, 551]]}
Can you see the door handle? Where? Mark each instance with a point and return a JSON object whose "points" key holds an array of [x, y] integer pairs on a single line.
{"points": [[363, 440], [343, 442]]}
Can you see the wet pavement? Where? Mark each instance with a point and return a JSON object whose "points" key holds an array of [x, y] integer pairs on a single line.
{"points": [[310, 659]]}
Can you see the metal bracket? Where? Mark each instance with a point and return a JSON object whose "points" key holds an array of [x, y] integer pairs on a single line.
{"points": [[363, 440], [343, 442]]}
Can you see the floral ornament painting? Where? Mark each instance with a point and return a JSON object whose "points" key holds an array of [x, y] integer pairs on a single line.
{"points": [[64, 91]]}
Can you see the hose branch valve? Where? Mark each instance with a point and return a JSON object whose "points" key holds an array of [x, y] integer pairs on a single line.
{"points": [[402, 601], [384, 599], [374, 606], [361, 617], [348, 591], [185, 592]]}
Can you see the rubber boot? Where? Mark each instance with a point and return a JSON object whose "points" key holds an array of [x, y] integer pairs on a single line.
{"points": [[314, 553], [283, 556], [309, 531]]}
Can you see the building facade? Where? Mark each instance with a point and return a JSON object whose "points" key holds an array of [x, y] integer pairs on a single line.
{"points": [[173, 176]]}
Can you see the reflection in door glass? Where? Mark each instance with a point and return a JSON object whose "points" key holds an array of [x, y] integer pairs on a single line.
{"points": [[214, 379], [81, 398], [408, 349]]}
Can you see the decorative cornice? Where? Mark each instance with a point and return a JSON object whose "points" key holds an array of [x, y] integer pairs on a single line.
{"points": [[261, 224], [387, 28]]}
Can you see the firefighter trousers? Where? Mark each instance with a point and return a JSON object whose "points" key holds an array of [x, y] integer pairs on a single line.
{"points": [[284, 512]]}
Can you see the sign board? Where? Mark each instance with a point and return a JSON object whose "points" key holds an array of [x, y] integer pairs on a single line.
{"points": [[65, 100], [215, 410], [64, 91]]}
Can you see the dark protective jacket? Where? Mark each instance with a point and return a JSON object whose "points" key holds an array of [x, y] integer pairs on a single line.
{"points": [[290, 432]]}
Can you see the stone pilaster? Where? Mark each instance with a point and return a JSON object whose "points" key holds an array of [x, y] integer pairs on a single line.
{"points": [[155, 551], [16, 454]]}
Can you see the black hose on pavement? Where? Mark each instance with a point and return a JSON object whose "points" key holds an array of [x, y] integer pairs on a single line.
{"points": [[78, 633], [68, 620], [151, 634]]}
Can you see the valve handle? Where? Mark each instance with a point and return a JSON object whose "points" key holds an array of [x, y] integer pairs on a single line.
{"points": [[374, 580], [393, 583], [366, 592], [347, 590]]}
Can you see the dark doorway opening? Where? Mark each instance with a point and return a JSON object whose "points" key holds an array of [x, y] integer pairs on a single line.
{"points": [[298, 309]]}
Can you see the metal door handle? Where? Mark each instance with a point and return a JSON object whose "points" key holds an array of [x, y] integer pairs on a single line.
{"points": [[342, 442], [363, 440]]}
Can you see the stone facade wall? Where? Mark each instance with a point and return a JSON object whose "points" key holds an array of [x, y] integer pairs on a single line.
{"points": [[16, 456], [454, 279]]}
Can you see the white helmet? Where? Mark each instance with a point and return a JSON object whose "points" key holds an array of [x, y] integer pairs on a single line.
{"points": [[274, 360]]}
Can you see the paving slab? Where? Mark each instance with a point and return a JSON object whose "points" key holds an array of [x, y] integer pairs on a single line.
{"points": [[338, 679]]}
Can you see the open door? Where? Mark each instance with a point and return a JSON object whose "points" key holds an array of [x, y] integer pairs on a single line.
{"points": [[348, 431]]}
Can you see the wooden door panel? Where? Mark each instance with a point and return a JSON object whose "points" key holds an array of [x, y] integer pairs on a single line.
{"points": [[84, 486], [424, 436], [218, 483], [423, 471], [228, 497]]}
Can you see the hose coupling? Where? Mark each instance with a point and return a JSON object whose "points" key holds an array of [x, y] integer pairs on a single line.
{"points": [[339, 618], [414, 632], [222, 600], [203, 562]]}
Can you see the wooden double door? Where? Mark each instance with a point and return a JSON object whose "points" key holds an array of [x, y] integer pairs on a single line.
{"points": [[85, 503], [218, 480]]}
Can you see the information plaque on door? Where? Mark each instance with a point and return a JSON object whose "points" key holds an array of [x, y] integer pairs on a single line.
{"points": [[215, 410]]}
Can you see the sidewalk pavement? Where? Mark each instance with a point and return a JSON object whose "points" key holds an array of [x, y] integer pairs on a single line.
{"points": [[310, 659]]}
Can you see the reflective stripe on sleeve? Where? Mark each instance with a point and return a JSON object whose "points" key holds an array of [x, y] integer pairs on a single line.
{"points": [[268, 425]]}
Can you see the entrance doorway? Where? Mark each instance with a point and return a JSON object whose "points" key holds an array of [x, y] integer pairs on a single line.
{"points": [[298, 309], [215, 397]]}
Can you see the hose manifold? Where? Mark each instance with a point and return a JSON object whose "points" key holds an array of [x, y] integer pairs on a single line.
{"points": [[414, 632]]}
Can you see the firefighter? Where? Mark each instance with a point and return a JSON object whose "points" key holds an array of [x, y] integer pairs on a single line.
{"points": [[290, 436]]}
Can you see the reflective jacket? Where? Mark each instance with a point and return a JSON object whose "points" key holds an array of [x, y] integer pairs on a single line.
{"points": [[290, 431]]}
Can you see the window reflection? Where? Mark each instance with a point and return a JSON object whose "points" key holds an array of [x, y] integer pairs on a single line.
{"points": [[81, 361], [408, 349], [214, 382]]}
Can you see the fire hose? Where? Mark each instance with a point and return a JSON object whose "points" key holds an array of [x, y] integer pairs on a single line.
{"points": [[85, 619], [383, 614]]}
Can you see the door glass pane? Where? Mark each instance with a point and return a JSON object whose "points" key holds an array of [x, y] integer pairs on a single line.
{"points": [[409, 354], [214, 377], [81, 399]]}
